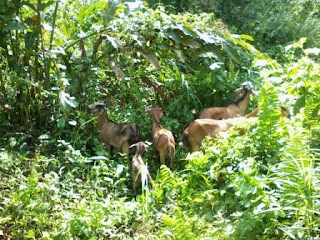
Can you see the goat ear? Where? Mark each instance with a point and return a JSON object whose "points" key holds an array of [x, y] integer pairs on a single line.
{"points": [[254, 93], [238, 90]]}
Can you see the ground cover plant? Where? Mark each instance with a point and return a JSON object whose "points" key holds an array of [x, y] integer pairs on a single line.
{"points": [[259, 180]]}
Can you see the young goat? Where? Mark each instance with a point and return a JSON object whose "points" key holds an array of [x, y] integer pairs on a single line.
{"points": [[235, 108], [120, 136], [194, 134], [139, 169], [163, 139]]}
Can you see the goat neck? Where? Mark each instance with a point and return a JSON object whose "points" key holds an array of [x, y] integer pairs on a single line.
{"points": [[102, 119], [243, 101], [156, 126], [138, 155]]}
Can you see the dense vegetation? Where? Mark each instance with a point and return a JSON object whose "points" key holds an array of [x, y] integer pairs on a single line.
{"points": [[58, 180]]}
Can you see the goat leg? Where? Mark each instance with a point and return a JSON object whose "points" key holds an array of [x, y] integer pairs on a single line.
{"points": [[162, 158], [135, 188], [125, 149], [171, 153], [171, 162], [111, 150]]}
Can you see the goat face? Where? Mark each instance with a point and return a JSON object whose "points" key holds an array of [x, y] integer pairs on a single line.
{"points": [[141, 147], [97, 108], [157, 113], [246, 87]]}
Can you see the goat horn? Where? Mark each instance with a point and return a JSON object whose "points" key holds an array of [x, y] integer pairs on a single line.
{"points": [[133, 145]]}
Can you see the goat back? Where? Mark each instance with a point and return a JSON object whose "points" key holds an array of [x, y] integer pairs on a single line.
{"points": [[132, 131], [213, 113], [163, 137]]}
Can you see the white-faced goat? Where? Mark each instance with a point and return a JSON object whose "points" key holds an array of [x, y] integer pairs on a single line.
{"points": [[233, 109], [120, 136], [140, 173], [196, 132], [163, 139]]}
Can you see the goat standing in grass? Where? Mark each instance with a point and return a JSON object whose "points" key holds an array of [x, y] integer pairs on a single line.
{"points": [[235, 108], [140, 171], [163, 139], [120, 136]]}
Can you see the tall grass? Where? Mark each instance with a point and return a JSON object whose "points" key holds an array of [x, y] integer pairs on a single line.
{"points": [[297, 180]]}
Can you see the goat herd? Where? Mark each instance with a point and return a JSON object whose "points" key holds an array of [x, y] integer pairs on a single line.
{"points": [[211, 121]]}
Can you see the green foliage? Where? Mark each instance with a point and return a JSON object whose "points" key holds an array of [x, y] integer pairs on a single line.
{"points": [[127, 54], [263, 187], [260, 180], [270, 23]]}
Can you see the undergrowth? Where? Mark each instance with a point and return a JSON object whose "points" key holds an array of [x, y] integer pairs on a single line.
{"points": [[258, 183]]}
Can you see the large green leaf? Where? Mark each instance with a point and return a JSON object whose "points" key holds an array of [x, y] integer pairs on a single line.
{"points": [[66, 100], [86, 11], [66, 29], [232, 52], [139, 39], [190, 42], [186, 31], [300, 103], [114, 42], [172, 35], [180, 55], [316, 112], [209, 38], [43, 6], [15, 26], [151, 57]]}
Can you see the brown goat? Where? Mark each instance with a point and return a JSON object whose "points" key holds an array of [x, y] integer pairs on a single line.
{"points": [[163, 139], [120, 136], [194, 134], [233, 109], [139, 169]]}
